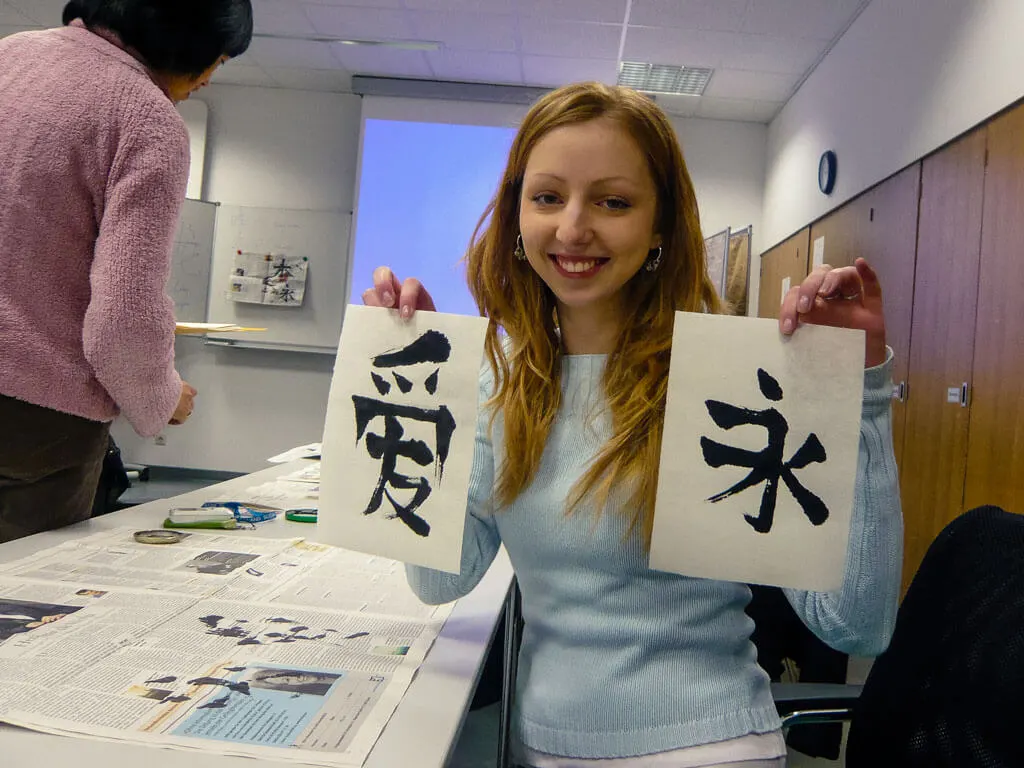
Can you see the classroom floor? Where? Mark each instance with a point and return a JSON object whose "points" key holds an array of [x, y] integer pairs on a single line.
{"points": [[166, 482]]}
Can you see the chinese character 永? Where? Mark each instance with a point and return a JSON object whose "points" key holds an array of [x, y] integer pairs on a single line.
{"points": [[766, 466], [431, 347]]}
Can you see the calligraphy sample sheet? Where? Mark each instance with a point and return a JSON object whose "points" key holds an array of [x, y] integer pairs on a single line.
{"points": [[398, 442], [759, 454]]}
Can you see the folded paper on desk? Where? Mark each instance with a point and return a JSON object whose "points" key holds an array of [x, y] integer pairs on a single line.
{"points": [[280, 493], [200, 328], [310, 451]]}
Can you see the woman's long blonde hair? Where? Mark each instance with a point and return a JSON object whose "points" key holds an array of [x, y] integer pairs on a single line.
{"points": [[527, 371]]}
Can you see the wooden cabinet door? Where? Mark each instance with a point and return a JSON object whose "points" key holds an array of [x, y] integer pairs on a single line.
{"points": [[995, 463], [942, 342], [881, 226], [786, 261]]}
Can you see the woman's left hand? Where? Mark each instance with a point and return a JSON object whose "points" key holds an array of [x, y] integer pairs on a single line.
{"points": [[850, 297]]}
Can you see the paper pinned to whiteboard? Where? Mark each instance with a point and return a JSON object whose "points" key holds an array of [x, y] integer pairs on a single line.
{"points": [[267, 278]]}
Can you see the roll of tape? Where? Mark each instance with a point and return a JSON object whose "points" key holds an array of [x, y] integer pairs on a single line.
{"points": [[158, 537]]}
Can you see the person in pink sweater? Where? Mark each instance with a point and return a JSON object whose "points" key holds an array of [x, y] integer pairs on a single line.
{"points": [[94, 160]]}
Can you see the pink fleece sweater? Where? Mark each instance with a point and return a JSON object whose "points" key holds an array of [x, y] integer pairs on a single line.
{"points": [[93, 166]]}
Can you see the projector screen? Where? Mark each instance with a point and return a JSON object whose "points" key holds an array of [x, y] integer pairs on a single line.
{"points": [[422, 189]]}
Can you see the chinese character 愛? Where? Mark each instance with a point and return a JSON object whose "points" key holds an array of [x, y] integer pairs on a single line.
{"points": [[766, 466], [430, 347]]}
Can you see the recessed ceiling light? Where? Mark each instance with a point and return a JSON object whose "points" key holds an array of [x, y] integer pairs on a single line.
{"points": [[664, 78], [403, 45]]}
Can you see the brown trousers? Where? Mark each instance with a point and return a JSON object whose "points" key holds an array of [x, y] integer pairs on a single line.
{"points": [[50, 466]]}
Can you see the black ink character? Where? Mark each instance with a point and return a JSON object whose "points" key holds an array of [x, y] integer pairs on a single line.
{"points": [[283, 293], [431, 347], [766, 466], [217, 703], [240, 687], [280, 270], [167, 679]]}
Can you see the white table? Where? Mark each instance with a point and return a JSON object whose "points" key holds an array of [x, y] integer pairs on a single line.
{"points": [[424, 728]]}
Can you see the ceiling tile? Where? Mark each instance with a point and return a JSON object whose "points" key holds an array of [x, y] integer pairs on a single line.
{"points": [[773, 54], [677, 46], [726, 109], [821, 19], [459, 6], [398, 4], [245, 60], [12, 17], [306, 54], [715, 15], [277, 17], [351, 23], [234, 74], [765, 111], [543, 37], [47, 13], [466, 31], [680, 106], [556, 71], [366, 60], [607, 11], [476, 66], [743, 84], [332, 80]]}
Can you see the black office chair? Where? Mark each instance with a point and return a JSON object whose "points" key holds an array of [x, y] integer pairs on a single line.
{"points": [[948, 691]]}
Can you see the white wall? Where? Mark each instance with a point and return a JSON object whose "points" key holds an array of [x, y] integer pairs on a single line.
{"points": [[196, 115], [293, 149], [907, 77], [726, 160]]}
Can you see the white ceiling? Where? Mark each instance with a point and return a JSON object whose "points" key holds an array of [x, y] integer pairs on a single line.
{"points": [[761, 50]]}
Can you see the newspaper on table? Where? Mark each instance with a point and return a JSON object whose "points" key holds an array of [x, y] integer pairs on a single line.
{"points": [[277, 649]]}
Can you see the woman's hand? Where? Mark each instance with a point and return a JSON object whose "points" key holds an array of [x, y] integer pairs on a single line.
{"points": [[850, 297], [186, 402], [407, 297]]}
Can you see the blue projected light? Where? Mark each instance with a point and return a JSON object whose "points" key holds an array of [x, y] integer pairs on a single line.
{"points": [[422, 191]]}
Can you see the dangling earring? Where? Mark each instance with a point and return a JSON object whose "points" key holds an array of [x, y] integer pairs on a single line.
{"points": [[519, 252], [653, 263]]}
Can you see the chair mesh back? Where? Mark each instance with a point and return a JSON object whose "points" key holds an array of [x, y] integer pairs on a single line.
{"points": [[949, 691]]}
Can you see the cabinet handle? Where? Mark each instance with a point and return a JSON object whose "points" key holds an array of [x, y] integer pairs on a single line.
{"points": [[899, 392], [964, 393]]}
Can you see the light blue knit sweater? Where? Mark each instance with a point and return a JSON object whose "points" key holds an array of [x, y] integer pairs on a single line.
{"points": [[619, 660]]}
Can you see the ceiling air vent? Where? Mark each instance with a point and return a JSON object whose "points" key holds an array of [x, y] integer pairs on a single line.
{"points": [[664, 78]]}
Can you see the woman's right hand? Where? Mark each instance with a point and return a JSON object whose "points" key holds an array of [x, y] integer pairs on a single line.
{"points": [[407, 296], [185, 405]]}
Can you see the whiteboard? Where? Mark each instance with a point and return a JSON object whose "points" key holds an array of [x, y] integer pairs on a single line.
{"points": [[320, 236], [189, 284]]}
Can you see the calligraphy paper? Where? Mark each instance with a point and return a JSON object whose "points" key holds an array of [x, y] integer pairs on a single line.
{"points": [[759, 455], [398, 443]]}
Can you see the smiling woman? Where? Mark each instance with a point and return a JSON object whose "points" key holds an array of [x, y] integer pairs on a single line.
{"points": [[93, 165], [583, 258]]}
